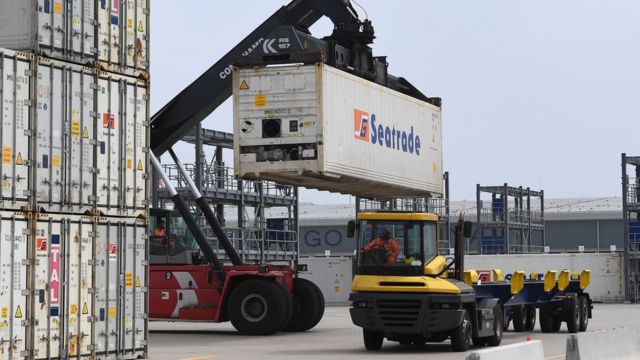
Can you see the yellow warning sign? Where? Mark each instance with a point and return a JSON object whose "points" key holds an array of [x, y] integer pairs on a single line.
{"points": [[75, 128], [244, 85], [5, 312], [129, 163], [140, 28], [74, 309], [137, 281], [57, 7], [128, 279], [5, 184], [434, 167], [18, 312], [6, 154], [55, 161], [139, 167], [85, 309], [260, 100], [112, 313], [85, 133], [19, 159], [130, 23]]}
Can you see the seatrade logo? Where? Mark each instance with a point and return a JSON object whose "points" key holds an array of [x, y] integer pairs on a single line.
{"points": [[367, 128]]}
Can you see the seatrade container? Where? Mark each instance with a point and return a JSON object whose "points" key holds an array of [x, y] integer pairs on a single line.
{"points": [[112, 34], [323, 128]]}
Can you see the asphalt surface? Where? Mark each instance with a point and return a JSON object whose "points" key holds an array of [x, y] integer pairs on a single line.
{"points": [[337, 338]]}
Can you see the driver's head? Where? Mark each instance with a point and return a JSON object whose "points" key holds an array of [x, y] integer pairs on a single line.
{"points": [[161, 224], [386, 235]]}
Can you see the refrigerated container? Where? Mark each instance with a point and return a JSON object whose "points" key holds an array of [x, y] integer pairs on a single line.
{"points": [[112, 34], [323, 128], [122, 145]]}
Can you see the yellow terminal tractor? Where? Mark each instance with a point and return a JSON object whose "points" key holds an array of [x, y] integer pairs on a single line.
{"points": [[405, 291]]}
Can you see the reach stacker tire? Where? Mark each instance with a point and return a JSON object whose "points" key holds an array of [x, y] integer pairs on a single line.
{"points": [[259, 307], [461, 337], [372, 339], [308, 305]]}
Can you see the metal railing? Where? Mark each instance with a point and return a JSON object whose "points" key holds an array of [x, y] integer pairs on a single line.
{"points": [[633, 191], [516, 216], [259, 245], [432, 205]]}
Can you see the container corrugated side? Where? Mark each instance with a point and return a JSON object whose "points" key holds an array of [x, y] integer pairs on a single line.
{"points": [[122, 145], [109, 33], [65, 142], [15, 110], [63, 286], [14, 239], [338, 132], [121, 291]]}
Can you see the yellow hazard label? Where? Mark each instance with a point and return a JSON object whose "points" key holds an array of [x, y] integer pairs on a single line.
{"points": [[337, 288], [55, 161], [18, 312], [6, 154], [260, 100], [434, 167], [244, 85], [130, 23], [19, 159], [85, 133], [5, 184], [128, 279], [75, 128], [74, 309], [140, 27], [137, 281], [76, 21], [85, 309], [4, 325], [129, 163], [139, 167], [5, 312], [112, 313], [57, 7]]}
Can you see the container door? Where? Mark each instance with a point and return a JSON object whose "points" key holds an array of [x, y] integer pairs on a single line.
{"points": [[109, 146], [48, 12], [83, 28], [109, 37], [14, 232], [135, 149], [108, 240], [133, 262], [49, 125], [136, 35], [48, 309], [80, 149], [14, 139]]}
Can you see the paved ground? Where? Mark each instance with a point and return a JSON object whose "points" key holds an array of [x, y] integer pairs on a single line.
{"points": [[336, 338]]}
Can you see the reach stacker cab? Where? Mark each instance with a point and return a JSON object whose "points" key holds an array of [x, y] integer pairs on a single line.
{"points": [[405, 291]]}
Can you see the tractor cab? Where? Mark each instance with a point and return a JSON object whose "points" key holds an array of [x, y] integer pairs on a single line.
{"points": [[403, 244], [170, 241]]}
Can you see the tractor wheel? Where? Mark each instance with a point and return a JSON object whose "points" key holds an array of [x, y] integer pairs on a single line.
{"points": [[496, 338], [584, 313], [479, 342], [461, 336], [372, 339], [519, 318], [258, 307], [530, 323], [308, 305], [573, 315], [546, 319]]}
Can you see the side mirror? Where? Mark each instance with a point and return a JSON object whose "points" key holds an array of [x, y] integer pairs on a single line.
{"points": [[468, 225], [351, 229]]}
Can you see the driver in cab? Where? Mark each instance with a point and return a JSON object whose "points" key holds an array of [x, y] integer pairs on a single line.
{"points": [[387, 244]]}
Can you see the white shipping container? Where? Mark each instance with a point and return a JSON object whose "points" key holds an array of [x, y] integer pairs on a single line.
{"points": [[320, 127], [15, 90], [14, 236], [109, 33], [122, 145]]}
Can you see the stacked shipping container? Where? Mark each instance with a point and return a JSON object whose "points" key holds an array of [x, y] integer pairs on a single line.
{"points": [[73, 197]]}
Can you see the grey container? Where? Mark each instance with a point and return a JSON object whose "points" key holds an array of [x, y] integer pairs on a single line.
{"points": [[111, 34]]}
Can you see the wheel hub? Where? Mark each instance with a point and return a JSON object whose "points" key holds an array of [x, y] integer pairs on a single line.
{"points": [[254, 307]]}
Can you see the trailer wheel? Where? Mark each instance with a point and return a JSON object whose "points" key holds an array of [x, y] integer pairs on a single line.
{"points": [[461, 336], [308, 305], [573, 315], [372, 339], [479, 342], [519, 318], [530, 323], [546, 319], [258, 307], [496, 338], [584, 313]]}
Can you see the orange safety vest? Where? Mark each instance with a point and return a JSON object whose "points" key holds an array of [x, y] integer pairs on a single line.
{"points": [[391, 247], [159, 232]]}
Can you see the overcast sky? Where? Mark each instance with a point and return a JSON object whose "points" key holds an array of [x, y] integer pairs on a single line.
{"points": [[544, 94]]}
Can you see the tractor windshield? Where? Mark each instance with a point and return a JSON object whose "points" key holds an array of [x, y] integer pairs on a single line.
{"points": [[397, 244]]}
